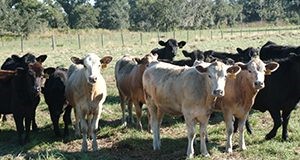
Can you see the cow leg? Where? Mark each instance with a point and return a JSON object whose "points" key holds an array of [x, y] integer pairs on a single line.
{"points": [[20, 127], [149, 122], [285, 117], [275, 114], [155, 127], [34, 125], [67, 120], [77, 121], [241, 132], [55, 120], [229, 131], [123, 107], [203, 137], [84, 130], [130, 117], [93, 129], [190, 126], [138, 111], [28, 120]]}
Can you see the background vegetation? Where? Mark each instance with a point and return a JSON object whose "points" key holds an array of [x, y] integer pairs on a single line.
{"points": [[128, 143], [26, 16]]}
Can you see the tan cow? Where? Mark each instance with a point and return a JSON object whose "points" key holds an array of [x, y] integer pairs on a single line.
{"points": [[240, 95], [128, 73], [86, 92], [187, 91]]}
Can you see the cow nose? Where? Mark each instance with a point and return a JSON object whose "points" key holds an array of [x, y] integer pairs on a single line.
{"points": [[259, 85], [92, 79], [218, 92]]}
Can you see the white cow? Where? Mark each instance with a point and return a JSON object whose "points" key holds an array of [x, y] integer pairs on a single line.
{"points": [[187, 91], [86, 92]]}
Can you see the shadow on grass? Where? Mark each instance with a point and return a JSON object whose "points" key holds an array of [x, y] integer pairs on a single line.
{"points": [[112, 99], [9, 140]]}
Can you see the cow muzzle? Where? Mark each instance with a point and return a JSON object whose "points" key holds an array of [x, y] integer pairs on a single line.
{"points": [[259, 85], [218, 93], [92, 79]]}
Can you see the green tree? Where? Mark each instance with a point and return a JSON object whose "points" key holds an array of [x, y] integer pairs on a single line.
{"points": [[53, 14], [83, 16], [113, 14]]}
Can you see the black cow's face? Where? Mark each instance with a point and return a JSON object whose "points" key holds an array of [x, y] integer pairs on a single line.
{"points": [[171, 47], [247, 54]]}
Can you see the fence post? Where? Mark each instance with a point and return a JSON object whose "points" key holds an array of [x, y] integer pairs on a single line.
{"points": [[79, 43], [22, 44], [141, 37], [211, 34], [53, 42], [158, 37], [174, 36], [200, 33], [102, 38], [187, 35], [2, 43], [221, 34], [122, 38]]}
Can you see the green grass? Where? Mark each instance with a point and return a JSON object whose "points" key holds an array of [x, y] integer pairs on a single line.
{"points": [[117, 142]]}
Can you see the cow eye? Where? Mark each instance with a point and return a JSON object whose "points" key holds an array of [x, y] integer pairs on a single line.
{"points": [[209, 76], [250, 71]]}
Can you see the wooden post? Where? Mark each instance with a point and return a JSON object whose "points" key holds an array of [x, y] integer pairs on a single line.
{"points": [[200, 33], [102, 38], [211, 34], [221, 34], [141, 37], [158, 37], [122, 38], [174, 36], [187, 35], [22, 43], [53, 42], [79, 43]]}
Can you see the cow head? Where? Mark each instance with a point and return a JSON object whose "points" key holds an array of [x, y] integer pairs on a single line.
{"points": [[92, 66], [217, 72], [257, 70], [194, 55], [170, 48], [31, 65], [247, 53], [147, 59]]}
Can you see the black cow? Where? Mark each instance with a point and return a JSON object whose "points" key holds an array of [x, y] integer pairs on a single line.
{"points": [[281, 94], [54, 93], [14, 62], [271, 50], [240, 56], [169, 51], [18, 95], [192, 56]]}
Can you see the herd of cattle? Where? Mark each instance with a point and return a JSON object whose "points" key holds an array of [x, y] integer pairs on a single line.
{"points": [[204, 82]]}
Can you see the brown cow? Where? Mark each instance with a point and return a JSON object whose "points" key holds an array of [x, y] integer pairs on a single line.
{"points": [[86, 92], [187, 91], [128, 73], [240, 95]]}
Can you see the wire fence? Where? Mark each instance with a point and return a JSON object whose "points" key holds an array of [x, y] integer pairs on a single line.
{"points": [[101, 38]]}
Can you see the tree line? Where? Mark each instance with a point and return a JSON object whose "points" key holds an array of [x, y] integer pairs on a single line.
{"points": [[26, 16]]}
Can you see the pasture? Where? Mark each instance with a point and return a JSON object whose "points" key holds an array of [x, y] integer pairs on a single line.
{"points": [[117, 142]]}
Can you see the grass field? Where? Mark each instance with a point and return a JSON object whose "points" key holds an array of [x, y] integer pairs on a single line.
{"points": [[117, 142]]}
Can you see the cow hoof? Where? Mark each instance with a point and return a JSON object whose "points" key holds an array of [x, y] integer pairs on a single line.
{"points": [[269, 136], [229, 150], [206, 155]]}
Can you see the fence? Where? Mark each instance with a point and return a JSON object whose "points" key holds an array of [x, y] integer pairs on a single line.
{"points": [[102, 39]]}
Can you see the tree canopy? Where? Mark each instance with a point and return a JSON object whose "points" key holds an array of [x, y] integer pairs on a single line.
{"points": [[26, 16]]}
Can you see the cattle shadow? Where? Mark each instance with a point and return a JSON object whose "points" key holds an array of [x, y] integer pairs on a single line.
{"points": [[9, 140]]}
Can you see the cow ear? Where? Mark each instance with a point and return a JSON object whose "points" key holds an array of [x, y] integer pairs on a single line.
{"points": [[242, 65], [186, 53], [201, 69], [181, 44], [49, 71], [239, 50], [138, 60], [76, 60], [105, 60], [233, 71], [15, 58], [271, 67], [162, 43], [41, 58]]}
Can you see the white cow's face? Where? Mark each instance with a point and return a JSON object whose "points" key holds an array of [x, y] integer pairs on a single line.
{"points": [[257, 70], [92, 68], [217, 73]]}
